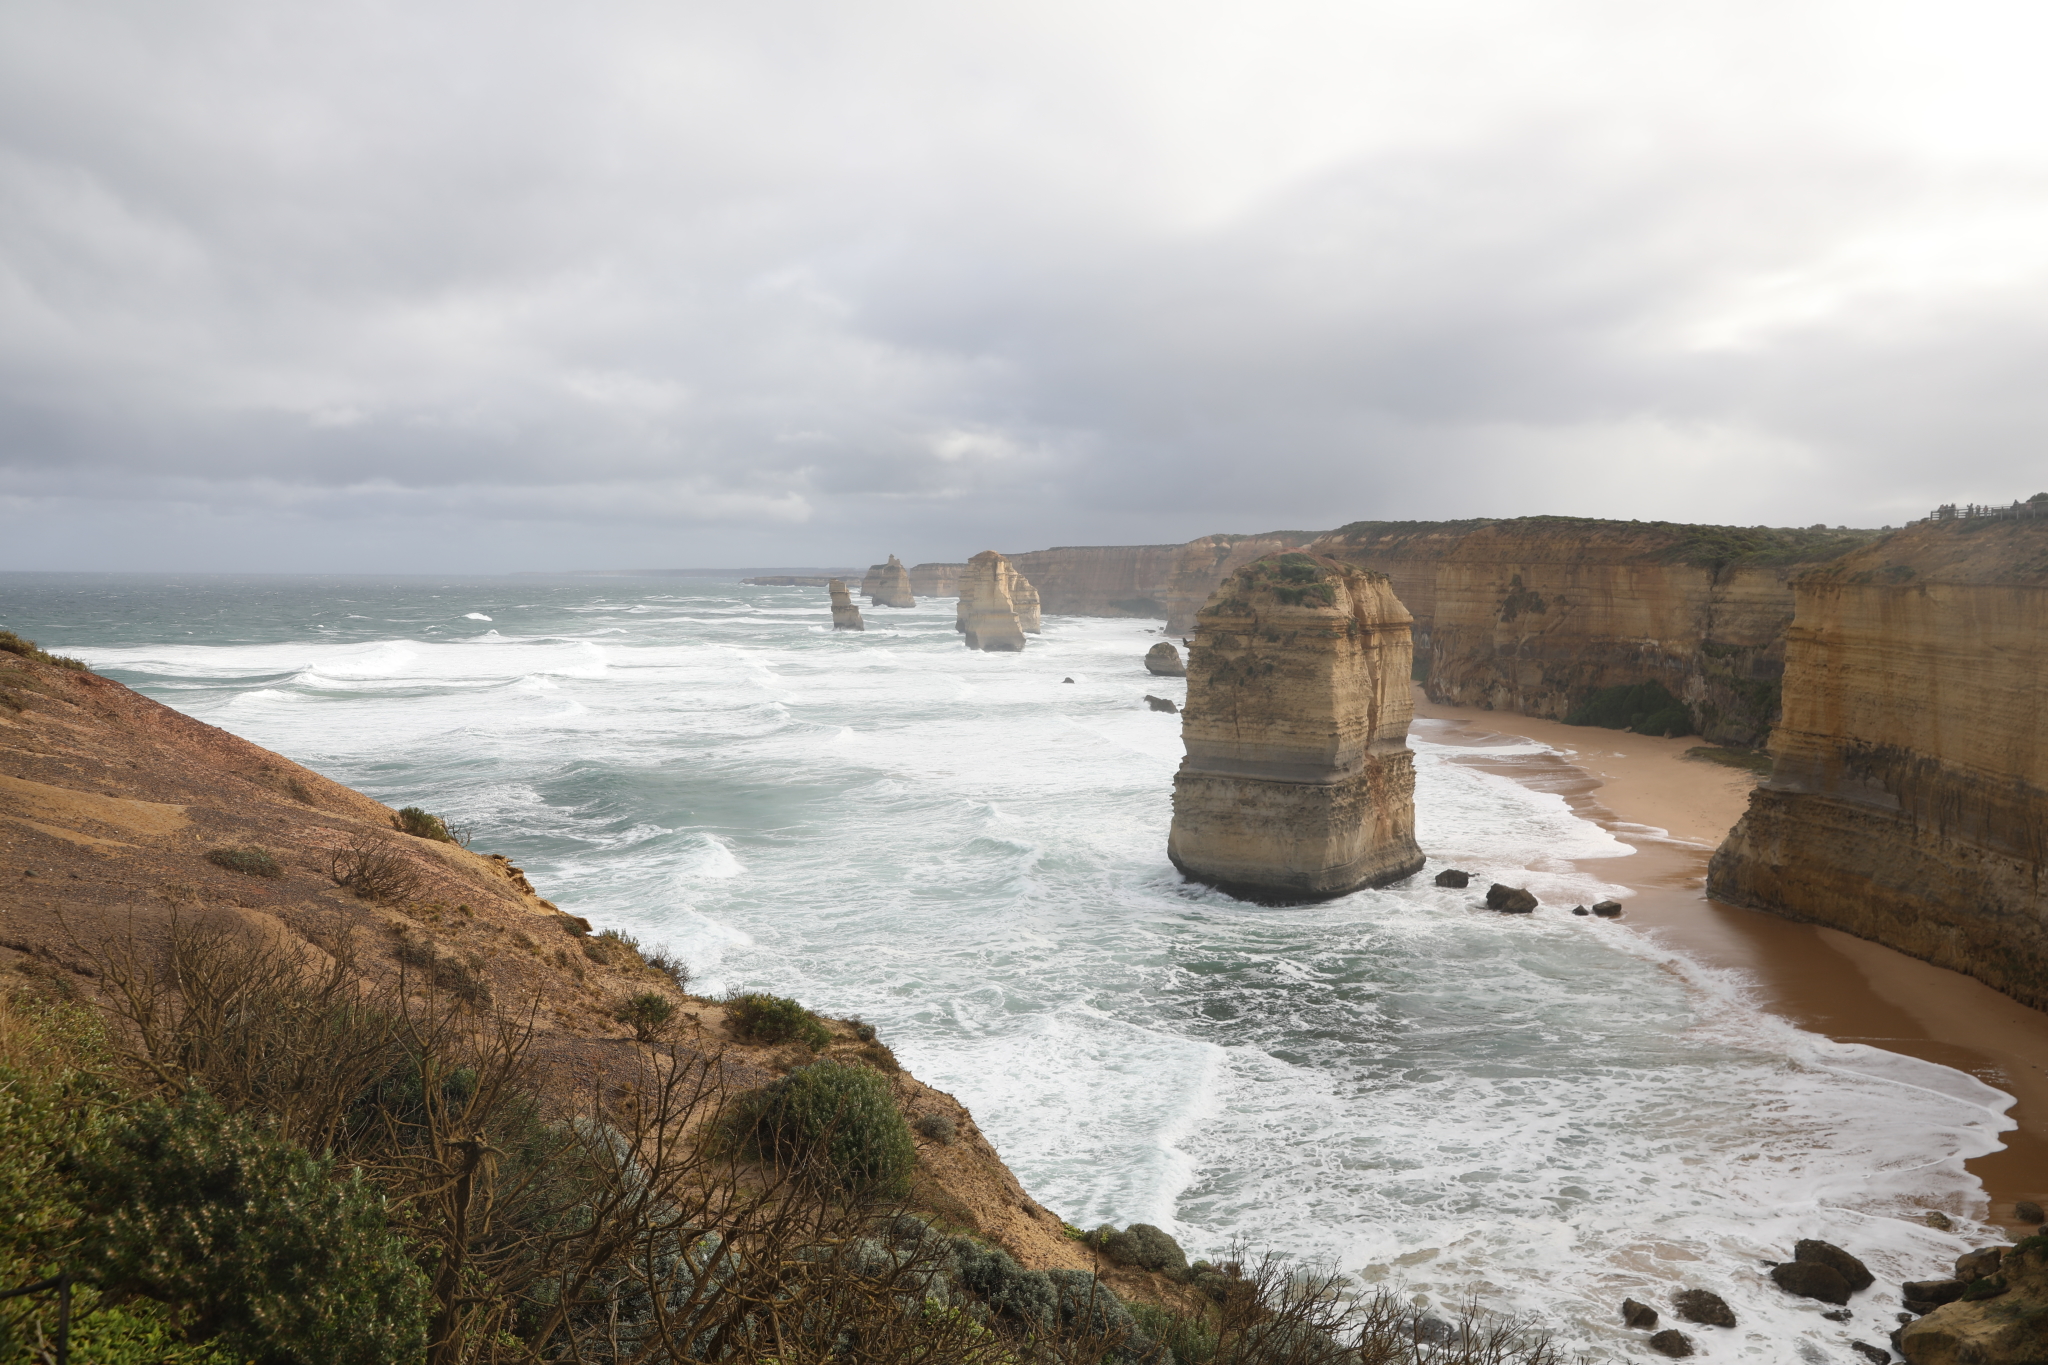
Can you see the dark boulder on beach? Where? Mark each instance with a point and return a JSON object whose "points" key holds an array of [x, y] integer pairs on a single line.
{"points": [[1811, 1280], [1834, 1258], [1580, 910], [2027, 1211], [1512, 900], [1924, 1296], [1607, 909], [1703, 1306], [1450, 876], [1639, 1315], [1066, 680], [1673, 1343], [1869, 1352]]}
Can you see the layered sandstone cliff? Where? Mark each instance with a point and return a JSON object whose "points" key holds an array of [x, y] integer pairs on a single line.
{"points": [[1909, 798], [1169, 581], [1536, 614], [888, 585], [987, 614], [1164, 660], [845, 615], [1298, 784], [936, 579], [1024, 600]]}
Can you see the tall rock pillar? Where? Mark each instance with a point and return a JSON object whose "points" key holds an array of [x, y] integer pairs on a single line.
{"points": [[1298, 784], [845, 615], [888, 585], [987, 617]]}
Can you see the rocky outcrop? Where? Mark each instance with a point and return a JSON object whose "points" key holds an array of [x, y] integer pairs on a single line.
{"points": [[2000, 1318], [845, 615], [1024, 601], [987, 615], [1537, 614], [1164, 660], [1908, 800], [1195, 570], [936, 580], [1298, 784], [888, 585]]}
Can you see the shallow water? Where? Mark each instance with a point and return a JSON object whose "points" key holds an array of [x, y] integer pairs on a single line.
{"points": [[1544, 1112]]}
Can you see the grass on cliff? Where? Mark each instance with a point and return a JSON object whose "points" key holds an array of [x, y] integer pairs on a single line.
{"points": [[1703, 546], [27, 649]]}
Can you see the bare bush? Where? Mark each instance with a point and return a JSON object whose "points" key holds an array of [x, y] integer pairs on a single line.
{"points": [[671, 965], [375, 869]]}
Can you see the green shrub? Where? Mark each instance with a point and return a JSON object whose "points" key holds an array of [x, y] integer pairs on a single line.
{"points": [[647, 1014], [255, 862], [760, 1018], [249, 1237], [937, 1128], [422, 825], [1646, 708], [843, 1122], [14, 644]]}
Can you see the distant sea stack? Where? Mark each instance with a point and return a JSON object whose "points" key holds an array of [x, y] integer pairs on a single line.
{"points": [[888, 585], [1909, 799], [1164, 660], [987, 617], [1298, 784], [845, 615]]}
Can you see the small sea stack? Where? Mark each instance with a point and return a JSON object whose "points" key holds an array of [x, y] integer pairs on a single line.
{"points": [[888, 585], [1164, 660], [1298, 784], [845, 615], [987, 617]]}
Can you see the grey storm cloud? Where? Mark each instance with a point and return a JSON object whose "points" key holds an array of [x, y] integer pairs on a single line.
{"points": [[526, 286]]}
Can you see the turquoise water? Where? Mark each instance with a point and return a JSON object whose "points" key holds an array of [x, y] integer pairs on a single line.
{"points": [[1544, 1112]]}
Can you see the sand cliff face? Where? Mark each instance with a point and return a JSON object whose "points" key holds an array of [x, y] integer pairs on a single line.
{"points": [[888, 585], [1170, 581], [1298, 784], [987, 614], [845, 615], [1534, 614], [1909, 798]]}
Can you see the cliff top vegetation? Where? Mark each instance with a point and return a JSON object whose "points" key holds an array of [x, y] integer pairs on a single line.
{"points": [[1682, 542]]}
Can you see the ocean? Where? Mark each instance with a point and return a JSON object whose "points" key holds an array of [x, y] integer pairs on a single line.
{"points": [[1541, 1114]]}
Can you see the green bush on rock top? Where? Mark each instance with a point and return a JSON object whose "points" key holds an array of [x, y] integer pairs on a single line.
{"points": [[757, 1017]]}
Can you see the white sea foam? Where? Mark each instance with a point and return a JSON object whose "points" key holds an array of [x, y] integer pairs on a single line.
{"points": [[1546, 1112]]}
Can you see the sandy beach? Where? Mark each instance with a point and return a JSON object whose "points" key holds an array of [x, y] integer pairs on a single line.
{"points": [[1674, 811]]}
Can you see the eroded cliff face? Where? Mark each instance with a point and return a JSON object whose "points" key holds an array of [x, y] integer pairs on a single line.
{"points": [[1097, 580], [1199, 567], [987, 614], [1024, 600], [888, 585], [1909, 799], [845, 615], [1533, 615], [1298, 784], [936, 580]]}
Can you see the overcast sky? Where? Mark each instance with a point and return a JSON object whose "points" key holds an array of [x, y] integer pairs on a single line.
{"points": [[496, 286]]}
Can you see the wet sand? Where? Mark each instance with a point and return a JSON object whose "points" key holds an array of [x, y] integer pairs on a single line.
{"points": [[1674, 811]]}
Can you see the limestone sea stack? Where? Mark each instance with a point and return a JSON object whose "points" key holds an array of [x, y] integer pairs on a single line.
{"points": [[1164, 660], [987, 616], [888, 585], [845, 615], [1298, 784], [1908, 801]]}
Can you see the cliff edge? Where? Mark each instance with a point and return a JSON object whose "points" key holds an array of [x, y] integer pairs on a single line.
{"points": [[1908, 800]]}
